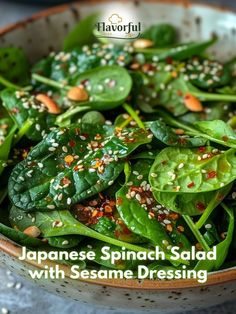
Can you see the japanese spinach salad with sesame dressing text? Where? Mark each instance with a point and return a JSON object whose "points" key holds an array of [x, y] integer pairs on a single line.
{"points": [[131, 146]]}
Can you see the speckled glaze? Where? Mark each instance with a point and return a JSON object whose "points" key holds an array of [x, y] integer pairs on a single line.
{"points": [[43, 33]]}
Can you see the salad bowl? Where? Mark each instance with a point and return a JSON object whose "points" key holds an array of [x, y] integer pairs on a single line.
{"points": [[194, 22]]}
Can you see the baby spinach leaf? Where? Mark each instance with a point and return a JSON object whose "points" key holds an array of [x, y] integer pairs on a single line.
{"points": [[14, 65], [82, 33], [180, 52], [187, 170], [221, 248], [22, 106], [137, 208], [163, 35], [62, 223], [218, 130], [5, 148], [64, 242], [19, 237], [192, 203], [168, 136], [72, 164]]}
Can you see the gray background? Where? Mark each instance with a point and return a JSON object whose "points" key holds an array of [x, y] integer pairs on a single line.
{"points": [[20, 296]]}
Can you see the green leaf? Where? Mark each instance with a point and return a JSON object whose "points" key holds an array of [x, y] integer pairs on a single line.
{"points": [[19, 237], [218, 130], [192, 204], [82, 33], [49, 179], [163, 35], [192, 170], [62, 223], [222, 248], [14, 65], [64, 242], [168, 136], [22, 106], [138, 208], [180, 52]]}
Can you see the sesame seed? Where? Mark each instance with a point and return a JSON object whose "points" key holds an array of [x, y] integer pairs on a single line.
{"points": [[138, 197], [203, 171], [68, 201], [50, 206], [208, 226], [234, 195], [66, 242], [64, 148], [4, 310], [18, 286], [110, 182], [181, 165], [153, 174], [222, 184], [204, 156], [140, 177], [52, 149]]}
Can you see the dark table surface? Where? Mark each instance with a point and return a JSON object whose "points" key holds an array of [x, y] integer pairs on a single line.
{"points": [[19, 296]]}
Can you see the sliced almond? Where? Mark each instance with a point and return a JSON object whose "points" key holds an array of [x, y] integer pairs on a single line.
{"points": [[32, 231], [77, 93], [49, 103], [192, 103], [142, 43]]}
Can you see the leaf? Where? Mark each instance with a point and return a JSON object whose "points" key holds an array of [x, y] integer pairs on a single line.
{"points": [[168, 136], [14, 65], [191, 204], [218, 129], [181, 52], [64, 242], [62, 223], [163, 35], [19, 237], [5, 148], [72, 164], [187, 170], [22, 106], [137, 208], [82, 33], [222, 248]]}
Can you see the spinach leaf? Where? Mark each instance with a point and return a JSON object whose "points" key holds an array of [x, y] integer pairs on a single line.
{"points": [[221, 248], [64, 242], [19, 237], [168, 136], [162, 35], [72, 164], [22, 106], [192, 204], [139, 210], [218, 130], [82, 33], [62, 223], [187, 170], [181, 52], [5, 148], [14, 65]]}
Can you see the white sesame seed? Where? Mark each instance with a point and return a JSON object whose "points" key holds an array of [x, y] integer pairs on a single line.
{"points": [[110, 182], [68, 201], [153, 174], [234, 195], [181, 165], [52, 149], [222, 184], [4, 310], [138, 197], [139, 177], [50, 206], [208, 226], [66, 242], [18, 285], [40, 165], [65, 149]]}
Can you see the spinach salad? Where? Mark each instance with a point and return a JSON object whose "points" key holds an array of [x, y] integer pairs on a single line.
{"points": [[130, 146]]}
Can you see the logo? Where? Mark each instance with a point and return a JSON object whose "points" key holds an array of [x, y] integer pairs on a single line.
{"points": [[118, 27]]}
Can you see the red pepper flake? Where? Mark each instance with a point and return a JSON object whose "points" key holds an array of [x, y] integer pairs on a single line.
{"points": [[211, 174], [202, 149], [200, 206], [72, 143], [191, 185], [161, 217], [65, 181], [169, 60], [119, 201]]}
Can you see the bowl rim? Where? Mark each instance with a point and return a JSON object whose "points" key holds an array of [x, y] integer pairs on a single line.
{"points": [[13, 249]]}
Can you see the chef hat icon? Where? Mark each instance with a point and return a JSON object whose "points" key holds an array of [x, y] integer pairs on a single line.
{"points": [[115, 19]]}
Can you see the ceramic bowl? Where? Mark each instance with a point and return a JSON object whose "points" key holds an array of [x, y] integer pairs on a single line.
{"points": [[43, 33]]}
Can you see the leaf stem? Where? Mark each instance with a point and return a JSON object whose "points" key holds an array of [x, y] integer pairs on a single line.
{"points": [[8, 84], [70, 112], [134, 115], [196, 232], [23, 130], [47, 81], [214, 97]]}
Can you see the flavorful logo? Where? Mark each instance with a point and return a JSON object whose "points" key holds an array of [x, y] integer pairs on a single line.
{"points": [[117, 26]]}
